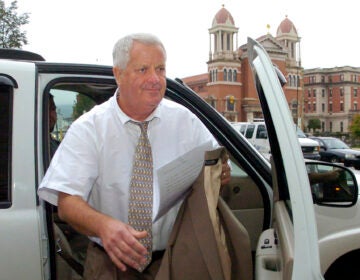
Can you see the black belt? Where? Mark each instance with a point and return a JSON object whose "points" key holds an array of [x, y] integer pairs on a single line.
{"points": [[156, 255]]}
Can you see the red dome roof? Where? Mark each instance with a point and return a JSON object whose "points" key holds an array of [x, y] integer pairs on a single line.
{"points": [[223, 17], [286, 26]]}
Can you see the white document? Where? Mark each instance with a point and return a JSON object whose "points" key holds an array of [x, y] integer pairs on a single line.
{"points": [[176, 177]]}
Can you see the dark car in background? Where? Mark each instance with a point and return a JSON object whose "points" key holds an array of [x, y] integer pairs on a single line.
{"points": [[335, 150]]}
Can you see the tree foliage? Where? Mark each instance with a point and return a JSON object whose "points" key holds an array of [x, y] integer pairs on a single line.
{"points": [[83, 104], [355, 126], [11, 35], [314, 124]]}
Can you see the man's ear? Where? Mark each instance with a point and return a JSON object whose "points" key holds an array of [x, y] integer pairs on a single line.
{"points": [[117, 74]]}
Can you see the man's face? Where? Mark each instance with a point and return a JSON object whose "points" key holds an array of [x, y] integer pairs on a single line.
{"points": [[142, 83]]}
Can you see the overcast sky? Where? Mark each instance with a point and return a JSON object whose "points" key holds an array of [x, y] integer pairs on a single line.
{"points": [[85, 31]]}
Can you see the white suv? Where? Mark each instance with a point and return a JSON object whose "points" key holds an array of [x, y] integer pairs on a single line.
{"points": [[273, 200], [256, 133]]}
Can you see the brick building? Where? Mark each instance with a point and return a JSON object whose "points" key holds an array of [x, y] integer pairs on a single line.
{"points": [[332, 95], [228, 84]]}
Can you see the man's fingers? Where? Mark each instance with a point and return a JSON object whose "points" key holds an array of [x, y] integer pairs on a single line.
{"points": [[134, 242], [124, 254], [117, 261], [122, 243]]}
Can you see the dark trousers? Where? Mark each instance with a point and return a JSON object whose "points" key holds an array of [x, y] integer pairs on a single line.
{"points": [[98, 266]]}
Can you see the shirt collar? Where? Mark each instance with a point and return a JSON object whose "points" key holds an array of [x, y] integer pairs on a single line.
{"points": [[125, 118]]}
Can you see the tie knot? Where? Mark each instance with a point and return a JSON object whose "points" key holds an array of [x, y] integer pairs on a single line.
{"points": [[143, 125]]}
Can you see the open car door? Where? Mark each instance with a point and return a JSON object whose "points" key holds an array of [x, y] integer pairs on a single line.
{"points": [[289, 249]]}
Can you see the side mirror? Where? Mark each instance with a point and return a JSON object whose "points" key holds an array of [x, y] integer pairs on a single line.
{"points": [[332, 185]]}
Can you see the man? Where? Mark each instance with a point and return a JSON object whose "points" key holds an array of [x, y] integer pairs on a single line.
{"points": [[90, 179]]}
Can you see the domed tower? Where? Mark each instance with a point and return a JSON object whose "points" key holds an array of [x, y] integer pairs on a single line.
{"points": [[287, 35], [224, 65], [222, 32]]}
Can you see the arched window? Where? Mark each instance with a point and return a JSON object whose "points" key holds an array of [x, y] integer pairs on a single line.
{"points": [[290, 81], [235, 76], [225, 75], [230, 75]]}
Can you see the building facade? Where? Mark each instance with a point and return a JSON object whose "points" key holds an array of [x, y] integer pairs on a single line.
{"points": [[228, 84], [332, 95]]}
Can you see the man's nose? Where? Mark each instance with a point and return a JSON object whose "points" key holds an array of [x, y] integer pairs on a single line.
{"points": [[154, 76]]}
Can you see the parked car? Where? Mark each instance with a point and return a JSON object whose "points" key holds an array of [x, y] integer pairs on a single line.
{"points": [[334, 150], [272, 199], [256, 133]]}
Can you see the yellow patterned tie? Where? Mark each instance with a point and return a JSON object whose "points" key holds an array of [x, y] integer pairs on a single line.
{"points": [[141, 190]]}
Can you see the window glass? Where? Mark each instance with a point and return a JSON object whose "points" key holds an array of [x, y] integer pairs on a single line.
{"points": [[261, 131], [242, 129], [5, 145], [250, 131], [69, 106]]}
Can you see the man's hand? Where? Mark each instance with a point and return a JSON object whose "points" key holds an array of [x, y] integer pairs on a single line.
{"points": [[120, 240], [225, 172]]}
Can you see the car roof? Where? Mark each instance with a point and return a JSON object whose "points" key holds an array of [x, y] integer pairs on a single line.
{"points": [[17, 54]]}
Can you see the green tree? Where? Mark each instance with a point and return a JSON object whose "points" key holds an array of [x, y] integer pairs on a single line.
{"points": [[355, 126], [314, 124], [11, 35], [83, 104]]}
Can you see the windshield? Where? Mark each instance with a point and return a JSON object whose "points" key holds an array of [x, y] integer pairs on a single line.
{"points": [[300, 133], [335, 144]]}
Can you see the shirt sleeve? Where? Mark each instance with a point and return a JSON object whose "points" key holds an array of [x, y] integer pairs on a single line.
{"points": [[73, 169]]}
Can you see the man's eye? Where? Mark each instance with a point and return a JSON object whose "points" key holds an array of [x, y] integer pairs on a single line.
{"points": [[160, 69], [142, 70]]}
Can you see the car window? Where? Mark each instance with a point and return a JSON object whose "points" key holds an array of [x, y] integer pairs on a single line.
{"points": [[242, 129], [6, 94], [335, 144], [300, 133], [261, 131], [250, 131], [72, 99], [69, 106]]}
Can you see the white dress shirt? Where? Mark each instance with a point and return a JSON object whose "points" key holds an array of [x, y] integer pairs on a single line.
{"points": [[95, 158]]}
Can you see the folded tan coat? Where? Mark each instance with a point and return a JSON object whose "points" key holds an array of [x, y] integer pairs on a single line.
{"points": [[207, 241]]}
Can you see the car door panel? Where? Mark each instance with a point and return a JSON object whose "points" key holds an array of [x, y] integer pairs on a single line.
{"points": [[19, 215], [245, 200], [288, 170]]}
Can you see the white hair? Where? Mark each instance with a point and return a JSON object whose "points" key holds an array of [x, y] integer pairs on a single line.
{"points": [[122, 48]]}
